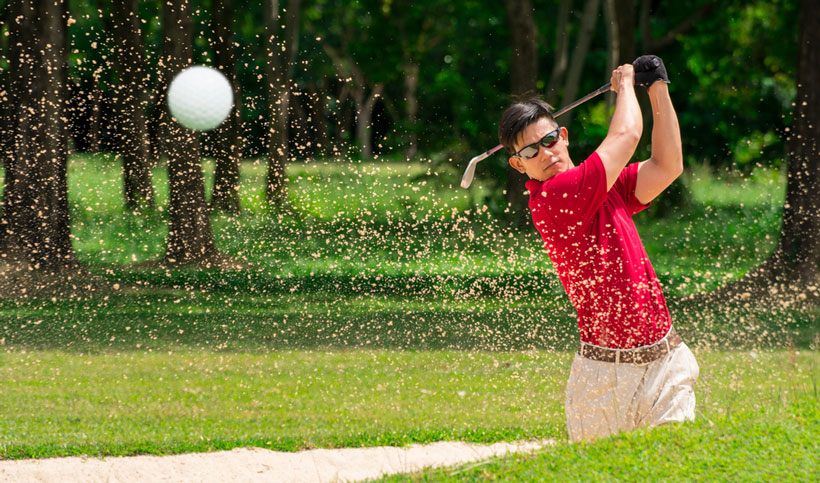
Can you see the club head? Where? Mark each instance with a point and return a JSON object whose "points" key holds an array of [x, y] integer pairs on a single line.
{"points": [[469, 173]]}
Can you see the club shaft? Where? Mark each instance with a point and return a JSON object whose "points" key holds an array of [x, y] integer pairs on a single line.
{"points": [[567, 108], [571, 105]]}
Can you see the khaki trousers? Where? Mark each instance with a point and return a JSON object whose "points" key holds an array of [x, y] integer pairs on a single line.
{"points": [[604, 398]]}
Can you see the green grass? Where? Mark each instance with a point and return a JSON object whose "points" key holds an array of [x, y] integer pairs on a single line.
{"points": [[745, 447], [118, 403], [411, 218], [750, 427], [57, 403], [386, 306]]}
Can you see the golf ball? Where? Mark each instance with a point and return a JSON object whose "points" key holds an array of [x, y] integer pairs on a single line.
{"points": [[200, 98]]}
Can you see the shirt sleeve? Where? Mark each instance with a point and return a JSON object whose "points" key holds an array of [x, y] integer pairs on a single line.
{"points": [[572, 197], [625, 187]]}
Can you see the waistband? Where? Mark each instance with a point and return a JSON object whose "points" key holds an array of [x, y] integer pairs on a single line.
{"points": [[638, 355]]}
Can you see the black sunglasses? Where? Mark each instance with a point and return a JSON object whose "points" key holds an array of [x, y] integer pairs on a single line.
{"points": [[548, 141]]}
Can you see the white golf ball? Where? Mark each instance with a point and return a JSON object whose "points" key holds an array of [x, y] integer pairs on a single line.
{"points": [[200, 98]]}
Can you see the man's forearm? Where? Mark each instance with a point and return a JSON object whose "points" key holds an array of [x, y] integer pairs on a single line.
{"points": [[625, 127], [666, 143], [627, 118]]}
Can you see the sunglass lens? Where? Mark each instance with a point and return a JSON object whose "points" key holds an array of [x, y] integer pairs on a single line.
{"points": [[550, 139], [528, 151]]}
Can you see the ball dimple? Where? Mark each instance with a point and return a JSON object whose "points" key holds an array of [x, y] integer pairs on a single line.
{"points": [[200, 98]]}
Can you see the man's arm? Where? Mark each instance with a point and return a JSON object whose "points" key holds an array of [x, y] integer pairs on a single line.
{"points": [[666, 162], [625, 128]]}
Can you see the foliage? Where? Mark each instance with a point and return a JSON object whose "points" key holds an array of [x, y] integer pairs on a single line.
{"points": [[740, 82], [733, 74]]}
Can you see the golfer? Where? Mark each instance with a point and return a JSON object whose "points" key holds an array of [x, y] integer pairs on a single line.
{"points": [[632, 369]]}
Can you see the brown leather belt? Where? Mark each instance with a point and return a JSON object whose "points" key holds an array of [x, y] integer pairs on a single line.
{"points": [[641, 355]]}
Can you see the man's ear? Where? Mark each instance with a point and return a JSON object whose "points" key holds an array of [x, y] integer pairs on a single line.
{"points": [[565, 135], [517, 165]]}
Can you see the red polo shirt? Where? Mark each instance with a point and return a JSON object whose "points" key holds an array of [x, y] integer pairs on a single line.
{"points": [[595, 248]]}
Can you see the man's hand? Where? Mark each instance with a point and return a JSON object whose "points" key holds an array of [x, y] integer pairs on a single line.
{"points": [[624, 75], [648, 70]]}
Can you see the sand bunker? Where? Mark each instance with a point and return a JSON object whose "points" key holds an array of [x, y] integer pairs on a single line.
{"points": [[256, 464]]}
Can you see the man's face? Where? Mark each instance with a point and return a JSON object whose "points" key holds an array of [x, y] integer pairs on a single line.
{"points": [[548, 161]]}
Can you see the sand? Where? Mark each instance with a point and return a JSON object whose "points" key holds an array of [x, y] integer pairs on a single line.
{"points": [[256, 464]]}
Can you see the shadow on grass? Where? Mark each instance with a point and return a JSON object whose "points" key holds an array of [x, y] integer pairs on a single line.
{"points": [[335, 312], [213, 321]]}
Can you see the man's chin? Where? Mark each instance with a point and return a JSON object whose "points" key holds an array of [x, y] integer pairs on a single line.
{"points": [[552, 173]]}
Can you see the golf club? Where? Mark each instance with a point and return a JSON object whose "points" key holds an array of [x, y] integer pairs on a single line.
{"points": [[467, 179]]}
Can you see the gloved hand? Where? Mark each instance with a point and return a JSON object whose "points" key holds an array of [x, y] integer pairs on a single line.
{"points": [[648, 70]]}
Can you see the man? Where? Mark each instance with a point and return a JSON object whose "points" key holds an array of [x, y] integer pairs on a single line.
{"points": [[632, 369]]}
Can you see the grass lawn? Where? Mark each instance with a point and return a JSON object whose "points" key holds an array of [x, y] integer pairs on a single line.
{"points": [[750, 446], [116, 403], [388, 306]]}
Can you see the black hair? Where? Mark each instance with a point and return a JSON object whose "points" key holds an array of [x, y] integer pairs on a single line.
{"points": [[518, 116]]}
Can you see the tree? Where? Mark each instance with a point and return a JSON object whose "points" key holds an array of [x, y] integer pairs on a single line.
{"points": [[124, 22], [358, 91], [5, 108], [416, 28], [579, 55], [35, 220], [652, 45], [622, 48], [561, 60], [791, 272], [281, 43], [523, 77], [190, 239], [228, 150], [361, 46], [620, 22]]}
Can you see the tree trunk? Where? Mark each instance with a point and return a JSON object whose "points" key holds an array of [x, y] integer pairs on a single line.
{"points": [[345, 118], [791, 274], [579, 56], [356, 89], [652, 45], [5, 113], [625, 21], [320, 118], [364, 119], [95, 128], [190, 239], [298, 125], [523, 77], [411, 87], [799, 246], [559, 67], [35, 217], [612, 45], [620, 21], [282, 44], [227, 151], [134, 145]]}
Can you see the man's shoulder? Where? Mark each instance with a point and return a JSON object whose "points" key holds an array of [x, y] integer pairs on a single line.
{"points": [[591, 163]]}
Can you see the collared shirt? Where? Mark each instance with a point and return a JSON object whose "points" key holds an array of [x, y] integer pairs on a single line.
{"points": [[595, 248]]}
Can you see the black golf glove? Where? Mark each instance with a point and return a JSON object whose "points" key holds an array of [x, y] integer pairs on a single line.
{"points": [[648, 69]]}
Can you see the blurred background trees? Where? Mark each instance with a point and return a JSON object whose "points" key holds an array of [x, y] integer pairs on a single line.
{"points": [[35, 218], [382, 78], [378, 79]]}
